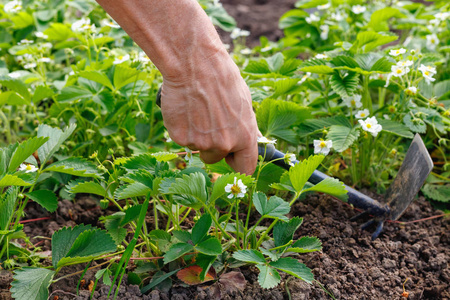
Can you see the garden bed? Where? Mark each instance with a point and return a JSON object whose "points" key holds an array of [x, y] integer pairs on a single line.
{"points": [[350, 266]]}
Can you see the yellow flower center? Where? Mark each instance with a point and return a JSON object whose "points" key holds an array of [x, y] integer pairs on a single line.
{"points": [[397, 52], [363, 115], [353, 102], [29, 167], [121, 57], [235, 189], [433, 41], [322, 144], [369, 126], [427, 73], [399, 71]]}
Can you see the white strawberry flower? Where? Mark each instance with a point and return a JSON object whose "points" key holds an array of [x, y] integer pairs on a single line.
{"points": [[143, 58], [324, 6], [312, 18], [442, 16], [358, 9], [45, 59], [306, 76], [41, 35], [13, 6], [362, 114], [25, 42], [337, 16], [30, 65], [28, 168], [399, 71], [264, 140], [246, 51], [353, 101], [189, 157], [432, 42], [290, 159], [405, 63], [236, 189], [411, 91], [428, 73], [110, 23], [371, 125], [324, 30], [121, 58], [15, 75], [397, 52], [321, 56], [322, 147], [237, 32], [83, 25]]}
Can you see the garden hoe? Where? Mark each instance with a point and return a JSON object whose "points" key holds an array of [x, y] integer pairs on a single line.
{"points": [[416, 167]]}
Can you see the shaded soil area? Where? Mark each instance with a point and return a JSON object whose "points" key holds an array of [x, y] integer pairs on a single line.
{"points": [[350, 266], [260, 17]]}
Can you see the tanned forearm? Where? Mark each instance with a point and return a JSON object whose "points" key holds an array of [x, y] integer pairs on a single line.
{"points": [[175, 34]]}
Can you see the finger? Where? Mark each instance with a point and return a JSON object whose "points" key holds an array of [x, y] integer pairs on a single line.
{"points": [[211, 157], [244, 161]]}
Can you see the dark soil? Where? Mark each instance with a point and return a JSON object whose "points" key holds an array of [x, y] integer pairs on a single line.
{"points": [[260, 17], [350, 266]]}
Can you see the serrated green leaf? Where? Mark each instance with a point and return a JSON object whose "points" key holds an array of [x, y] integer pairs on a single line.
{"points": [[58, 32], [42, 92], [72, 93], [17, 86], [13, 180], [382, 65], [88, 187], [135, 189], [98, 77], [249, 256], [124, 75], [395, 128], [47, 199], [12, 98], [210, 246], [276, 118], [141, 162], [312, 125], [344, 84], [63, 239], [91, 243], [347, 61], [331, 186], [157, 281], [305, 4], [369, 40], [164, 156], [268, 277], [275, 207], [437, 192], [442, 89], [177, 251], [7, 204], [56, 138], [117, 232], [31, 283], [190, 190], [418, 126], [306, 244], [201, 228], [284, 232], [77, 166], [257, 67], [275, 62], [342, 136], [109, 130], [378, 20], [24, 150], [322, 69], [131, 214], [294, 267], [205, 262], [300, 173]]}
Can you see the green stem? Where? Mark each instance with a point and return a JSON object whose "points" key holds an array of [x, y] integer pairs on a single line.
{"points": [[237, 224], [263, 236]]}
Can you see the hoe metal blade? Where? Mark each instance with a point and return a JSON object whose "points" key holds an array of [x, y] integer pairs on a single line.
{"points": [[415, 169]]}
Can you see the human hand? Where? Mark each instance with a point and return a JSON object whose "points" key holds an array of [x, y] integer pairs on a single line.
{"points": [[210, 110]]}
